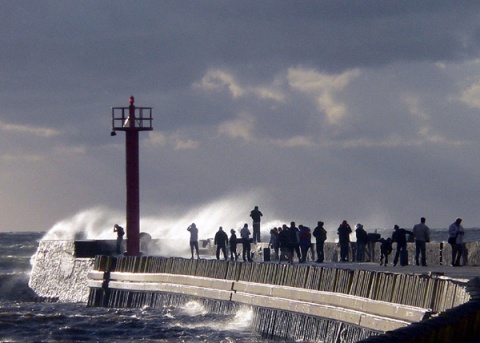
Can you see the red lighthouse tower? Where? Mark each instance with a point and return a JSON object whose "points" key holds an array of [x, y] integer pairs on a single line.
{"points": [[132, 119]]}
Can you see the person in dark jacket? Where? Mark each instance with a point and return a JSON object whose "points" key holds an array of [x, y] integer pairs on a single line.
{"points": [[286, 245], [362, 241], [385, 250], [344, 231], [320, 235], [456, 233], [221, 240], [120, 233], [305, 242], [256, 215], [400, 236], [246, 247], [233, 245], [295, 239]]}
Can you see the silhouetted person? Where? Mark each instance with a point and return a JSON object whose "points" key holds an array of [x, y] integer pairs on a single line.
{"points": [[221, 240], [193, 239], [455, 238], [256, 216], [286, 245], [320, 235], [400, 236], [233, 245], [421, 232], [295, 239], [385, 250], [362, 241], [245, 234], [344, 231], [120, 233], [305, 242], [274, 243]]}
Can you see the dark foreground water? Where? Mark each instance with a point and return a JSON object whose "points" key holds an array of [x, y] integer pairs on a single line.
{"points": [[25, 318]]}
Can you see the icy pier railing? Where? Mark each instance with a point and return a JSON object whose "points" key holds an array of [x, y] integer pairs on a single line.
{"points": [[373, 302]]}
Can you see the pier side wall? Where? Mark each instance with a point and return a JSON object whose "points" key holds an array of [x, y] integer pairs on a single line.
{"points": [[419, 290], [355, 303]]}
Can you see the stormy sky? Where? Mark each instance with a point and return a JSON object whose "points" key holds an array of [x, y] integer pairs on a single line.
{"points": [[313, 110]]}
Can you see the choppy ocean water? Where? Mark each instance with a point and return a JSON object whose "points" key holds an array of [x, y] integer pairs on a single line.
{"points": [[26, 318]]}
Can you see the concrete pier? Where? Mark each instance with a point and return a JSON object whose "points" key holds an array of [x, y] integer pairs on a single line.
{"points": [[365, 303], [329, 302]]}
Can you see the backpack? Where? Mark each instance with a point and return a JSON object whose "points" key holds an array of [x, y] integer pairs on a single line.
{"points": [[320, 234], [304, 234]]}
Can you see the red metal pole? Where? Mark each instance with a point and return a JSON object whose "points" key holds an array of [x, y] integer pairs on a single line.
{"points": [[133, 189]]}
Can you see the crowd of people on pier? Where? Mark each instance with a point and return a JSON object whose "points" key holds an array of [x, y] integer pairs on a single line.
{"points": [[288, 242]]}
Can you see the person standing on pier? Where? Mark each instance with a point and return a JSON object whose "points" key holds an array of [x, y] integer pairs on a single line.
{"points": [[385, 250], [305, 242], [400, 236], [274, 243], [295, 239], [245, 234], [221, 240], [193, 239], [362, 241], [256, 215], [286, 245], [120, 233], [344, 231], [421, 232], [233, 245], [320, 235], [455, 239]]}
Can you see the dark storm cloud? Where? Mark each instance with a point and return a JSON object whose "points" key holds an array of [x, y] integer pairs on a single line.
{"points": [[125, 37], [327, 107]]}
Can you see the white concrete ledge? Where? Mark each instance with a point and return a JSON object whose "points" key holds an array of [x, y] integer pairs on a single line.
{"points": [[94, 283], [380, 308], [95, 275], [225, 285], [172, 288]]}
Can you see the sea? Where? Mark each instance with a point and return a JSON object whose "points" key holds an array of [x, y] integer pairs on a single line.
{"points": [[24, 317]]}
